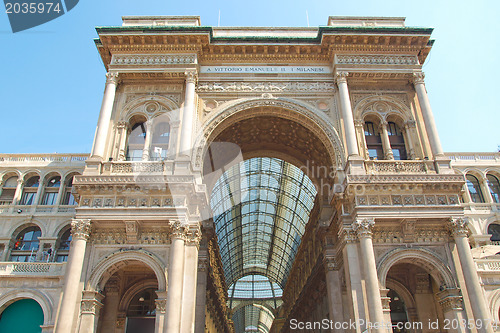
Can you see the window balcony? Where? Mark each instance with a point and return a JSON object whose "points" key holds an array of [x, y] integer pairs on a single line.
{"points": [[36, 209], [399, 167], [162, 167], [27, 269], [491, 265]]}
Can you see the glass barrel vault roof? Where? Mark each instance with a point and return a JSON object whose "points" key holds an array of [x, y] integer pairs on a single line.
{"points": [[261, 207]]}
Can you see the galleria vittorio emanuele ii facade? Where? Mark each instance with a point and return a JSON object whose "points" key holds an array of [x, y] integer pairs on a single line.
{"points": [[254, 180]]}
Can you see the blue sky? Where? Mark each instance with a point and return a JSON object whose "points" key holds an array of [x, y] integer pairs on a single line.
{"points": [[52, 78]]}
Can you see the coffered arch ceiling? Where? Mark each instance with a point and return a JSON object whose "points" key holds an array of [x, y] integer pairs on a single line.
{"points": [[269, 131]]}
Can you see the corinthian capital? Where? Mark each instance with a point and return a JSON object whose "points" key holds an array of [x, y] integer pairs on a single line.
{"points": [[363, 227], [112, 77], [191, 76], [418, 77], [193, 235], [341, 77], [80, 229], [179, 230], [459, 226]]}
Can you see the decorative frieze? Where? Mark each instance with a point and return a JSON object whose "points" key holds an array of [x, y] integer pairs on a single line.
{"points": [[152, 60], [407, 178], [265, 86], [398, 167], [406, 200], [120, 201], [382, 59]]}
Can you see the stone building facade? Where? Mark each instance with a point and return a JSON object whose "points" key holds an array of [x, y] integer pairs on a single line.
{"points": [[256, 180]]}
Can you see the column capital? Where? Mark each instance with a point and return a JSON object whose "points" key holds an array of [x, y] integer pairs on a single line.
{"points": [[193, 235], [348, 236], [179, 230], [450, 299], [383, 124], [363, 227], [359, 122], [80, 229], [161, 305], [341, 76], [20, 181], [191, 75], [418, 78], [92, 302], [459, 226], [112, 77], [122, 125], [410, 124], [331, 263]]}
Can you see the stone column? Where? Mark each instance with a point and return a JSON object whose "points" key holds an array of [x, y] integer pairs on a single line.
{"points": [[188, 114], [347, 117], [147, 140], [161, 307], [459, 232], [80, 230], [122, 145], [91, 307], [105, 115], [425, 107], [451, 304], [386, 305], [19, 191], [360, 131], [386, 144], [334, 290], [175, 278], [41, 185], [353, 278], [483, 184], [363, 229], [408, 139], [190, 279], [201, 291]]}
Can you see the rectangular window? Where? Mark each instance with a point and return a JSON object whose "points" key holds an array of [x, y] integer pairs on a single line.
{"points": [[27, 198], [49, 198], [7, 196], [69, 199]]}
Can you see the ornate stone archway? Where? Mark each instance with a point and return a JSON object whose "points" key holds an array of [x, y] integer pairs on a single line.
{"points": [[282, 108]]}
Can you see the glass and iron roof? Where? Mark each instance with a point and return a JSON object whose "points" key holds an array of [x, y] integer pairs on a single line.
{"points": [[253, 318], [252, 288], [261, 207]]}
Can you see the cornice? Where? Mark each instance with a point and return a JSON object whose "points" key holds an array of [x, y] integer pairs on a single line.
{"points": [[211, 48]]}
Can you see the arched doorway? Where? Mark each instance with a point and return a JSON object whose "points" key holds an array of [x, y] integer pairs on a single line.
{"points": [[424, 286], [262, 203], [24, 315]]}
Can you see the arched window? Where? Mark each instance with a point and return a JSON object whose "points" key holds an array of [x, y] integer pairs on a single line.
{"points": [[476, 194], [68, 198], [51, 191], [494, 231], [8, 191], [398, 310], [29, 191], [161, 138], [397, 141], [63, 248], [141, 311], [494, 187], [136, 142], [26, 244], [373, 141]]}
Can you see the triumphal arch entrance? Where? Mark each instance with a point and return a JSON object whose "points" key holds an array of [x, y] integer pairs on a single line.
{"points": [[267, 180]]}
